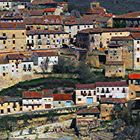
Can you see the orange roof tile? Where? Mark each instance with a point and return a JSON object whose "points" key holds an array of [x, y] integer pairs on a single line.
{"points": [[134, 76], [62, 97], [31, 94], [49, 10]]}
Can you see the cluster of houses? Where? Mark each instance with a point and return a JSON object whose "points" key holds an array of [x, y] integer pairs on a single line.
{"points": [[16, 67], [107, 94], [32, 35], [119, 46]]}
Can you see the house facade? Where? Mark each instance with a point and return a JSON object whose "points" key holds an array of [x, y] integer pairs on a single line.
{"points": [[134, 86], [13, 37], [31, 101], [44, 60], [46, 39], [107, 107], [10, 105], [99, 38], [117, 89], [62, 100], [85, 94], [115, 66]]}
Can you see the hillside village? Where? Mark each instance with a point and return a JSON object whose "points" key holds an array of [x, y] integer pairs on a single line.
{"points": [[97, 49]]}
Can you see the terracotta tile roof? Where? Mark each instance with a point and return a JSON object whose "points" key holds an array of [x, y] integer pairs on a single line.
{"points": [[45, 53], [62, 97], [92, 110], [45, 20], [48, 95], [101, 30], [129, 15], [121, 38], [134, 76], [31, 94], [11, 16], [49, 10], [115, 63], [85, 86], [36, 2], [111, 84], [15, 56], [5, 99], [113, 100], [135, 35], [12, 26], [36, 12], [43, 32]]}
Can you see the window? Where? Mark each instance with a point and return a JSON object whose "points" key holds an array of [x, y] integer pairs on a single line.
{"points": [[4, 41], [138, 60], [97, 89], [22, 33], [24, 67], [107, 90], [14, 42], [120, 71], [2, 111], [89, 94], [94, 92], [8, 110], [59, 102], [102, 90], [138, 49], [4, 34], [29, 67], [13, 35], [123, 91], [78, 27], [39, 36], [138, 42], [79, 99]]}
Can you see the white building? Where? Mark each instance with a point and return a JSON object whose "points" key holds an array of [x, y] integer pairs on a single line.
{"points": [[73, 29], [117, 89], [72, 24], [44, 60], [46, 39], [47, 101], [85, 94], [136, 37], [31, 100]]}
